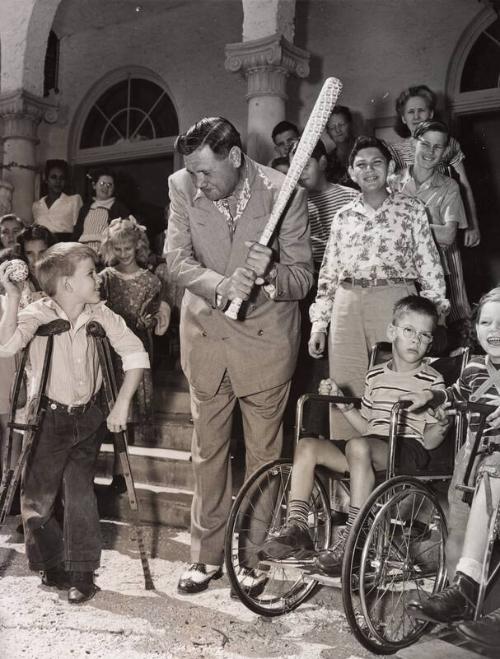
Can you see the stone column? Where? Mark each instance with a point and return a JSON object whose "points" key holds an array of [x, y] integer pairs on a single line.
{"points": [[266, 63], [21, 113]]}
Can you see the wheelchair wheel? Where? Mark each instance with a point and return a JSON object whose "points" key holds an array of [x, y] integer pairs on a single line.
{"points": [[259, 511], [394, 554]]}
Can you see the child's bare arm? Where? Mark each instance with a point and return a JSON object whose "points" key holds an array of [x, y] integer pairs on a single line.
{"points": [[434, 433], [117, 418], [330, 388], [8, 322]]}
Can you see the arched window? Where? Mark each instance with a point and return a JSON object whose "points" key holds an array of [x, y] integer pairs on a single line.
{"points": [[482, 67], [130, 111]]}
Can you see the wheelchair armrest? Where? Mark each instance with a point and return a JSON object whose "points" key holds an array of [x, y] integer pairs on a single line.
{"points": [[307, 398]]}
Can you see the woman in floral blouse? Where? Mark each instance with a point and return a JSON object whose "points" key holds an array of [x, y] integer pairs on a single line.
{"points": [[380, 247]]}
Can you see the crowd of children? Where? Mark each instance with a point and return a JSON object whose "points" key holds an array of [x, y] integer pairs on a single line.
{"points": [[383, 221]]}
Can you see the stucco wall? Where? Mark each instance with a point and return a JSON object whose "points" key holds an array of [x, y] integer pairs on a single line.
{"points": [[377, 47]]}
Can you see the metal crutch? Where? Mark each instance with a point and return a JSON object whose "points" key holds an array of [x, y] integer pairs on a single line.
{"points": [[120, 439], [12, 475]]}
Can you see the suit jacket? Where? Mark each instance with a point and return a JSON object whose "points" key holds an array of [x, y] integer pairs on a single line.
{"points": [[259, 351]]}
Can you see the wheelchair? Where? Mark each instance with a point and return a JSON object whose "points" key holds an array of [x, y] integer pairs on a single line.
{"points": [[396, 548]]}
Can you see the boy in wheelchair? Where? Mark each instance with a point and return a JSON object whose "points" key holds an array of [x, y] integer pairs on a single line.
{"points": [[410, 333], [479, 382]]}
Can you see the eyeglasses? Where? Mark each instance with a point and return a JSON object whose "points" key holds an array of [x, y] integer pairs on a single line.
{"points": [[105, 184], [412, 333], [434, 148]]}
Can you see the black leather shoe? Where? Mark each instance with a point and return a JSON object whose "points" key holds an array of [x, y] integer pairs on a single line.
{"points": [[82, 587], [56, 578], [251, 581], [485, 632], [329, 561], [293, 541], [197, 577], [455, 603]]}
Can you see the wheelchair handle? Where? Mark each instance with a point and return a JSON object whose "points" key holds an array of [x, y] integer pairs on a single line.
{"points": [[478, 408]]}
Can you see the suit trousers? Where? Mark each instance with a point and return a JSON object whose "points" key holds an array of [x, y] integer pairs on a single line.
{"points": [[262, 414], [360, 317]]}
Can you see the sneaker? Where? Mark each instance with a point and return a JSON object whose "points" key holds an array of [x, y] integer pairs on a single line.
{"points": [[455, 603], [292, 541], [329, 561]]}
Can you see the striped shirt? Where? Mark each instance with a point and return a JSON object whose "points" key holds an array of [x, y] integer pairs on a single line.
{"points": [[384, 387], [75, 375], [478, 371], [321, 207]]}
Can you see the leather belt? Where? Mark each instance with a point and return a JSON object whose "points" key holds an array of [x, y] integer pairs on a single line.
{"points": [[73, 410], [362, 282]]}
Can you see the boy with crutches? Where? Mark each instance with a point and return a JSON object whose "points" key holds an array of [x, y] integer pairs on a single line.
{"points": [[67, 443]]}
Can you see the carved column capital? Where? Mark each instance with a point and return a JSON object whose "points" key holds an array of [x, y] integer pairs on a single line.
{"points": [[266, 63], [22, 112]]}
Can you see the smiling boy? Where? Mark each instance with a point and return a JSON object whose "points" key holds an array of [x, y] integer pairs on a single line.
{"points": [[69, 436]]}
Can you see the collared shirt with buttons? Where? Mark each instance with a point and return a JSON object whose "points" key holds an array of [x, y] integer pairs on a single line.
{"points": [[75, 375]]}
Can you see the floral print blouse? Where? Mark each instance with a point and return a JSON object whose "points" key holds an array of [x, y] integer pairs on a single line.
{"points": [[392, 242]]}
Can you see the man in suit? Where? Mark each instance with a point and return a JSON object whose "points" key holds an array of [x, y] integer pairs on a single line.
{"points": [[219, 205]]}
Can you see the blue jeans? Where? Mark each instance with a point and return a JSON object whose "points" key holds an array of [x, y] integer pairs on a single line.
{"points": [[63, 459]]}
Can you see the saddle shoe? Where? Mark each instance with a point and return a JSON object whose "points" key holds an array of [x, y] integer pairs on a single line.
{"points": [[251, 582], [197, 577]]}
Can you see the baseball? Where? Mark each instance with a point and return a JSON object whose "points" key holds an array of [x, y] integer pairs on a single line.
{"points": [[18, 270]]}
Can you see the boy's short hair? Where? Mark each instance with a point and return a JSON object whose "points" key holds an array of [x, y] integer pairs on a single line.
{"points": [[282, 127], [436, 126], [279, 161], [416, 304], [61, 260], [490, 296], [364, 142], [318, 151]]}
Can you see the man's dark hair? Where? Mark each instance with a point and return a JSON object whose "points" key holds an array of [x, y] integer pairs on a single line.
{"points": [[282, 127], [417, 304], [437, 126], [344, 111], [56, 164], [363, 142], [216, 132]]}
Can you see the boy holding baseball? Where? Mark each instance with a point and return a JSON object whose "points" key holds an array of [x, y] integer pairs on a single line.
{"points": [[69, 435]]}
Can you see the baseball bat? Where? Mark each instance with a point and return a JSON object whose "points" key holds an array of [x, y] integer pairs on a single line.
{"points": [[312, 132]]}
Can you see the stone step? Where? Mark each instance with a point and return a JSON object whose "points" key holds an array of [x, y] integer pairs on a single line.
{"points": [[154, 466], [171, 401], [171, 431], [157, 505]]}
